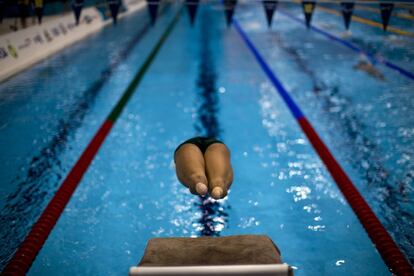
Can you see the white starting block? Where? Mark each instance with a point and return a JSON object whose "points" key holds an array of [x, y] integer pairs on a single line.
{"points": [[233, 255]]}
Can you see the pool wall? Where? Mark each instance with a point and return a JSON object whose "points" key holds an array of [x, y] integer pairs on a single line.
{"points": [[22, 49]]}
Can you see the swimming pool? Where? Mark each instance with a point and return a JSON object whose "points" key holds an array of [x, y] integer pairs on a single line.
{"points": [[205, 81]]}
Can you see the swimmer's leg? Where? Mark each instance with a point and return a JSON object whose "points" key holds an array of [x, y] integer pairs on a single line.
{"points": [[218, 169], [190, 168]]}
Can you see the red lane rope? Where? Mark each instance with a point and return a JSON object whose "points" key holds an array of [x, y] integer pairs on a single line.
{"points": [[27, 252], [389, 251], [386, 246]]}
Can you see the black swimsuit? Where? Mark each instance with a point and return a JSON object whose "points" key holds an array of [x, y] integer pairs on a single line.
{"points": [[201, 142]]}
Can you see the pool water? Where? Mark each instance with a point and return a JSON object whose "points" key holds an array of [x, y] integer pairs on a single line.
{"points": [[205, 81]]}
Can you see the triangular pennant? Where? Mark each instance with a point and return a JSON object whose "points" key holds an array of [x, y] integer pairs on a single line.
{"points": [[386, 10], [192, 6], [77, 6], [229, 6], [153, 9], [270, 7], [347, 10], [39, 10], [308, 8], [114, 8]]}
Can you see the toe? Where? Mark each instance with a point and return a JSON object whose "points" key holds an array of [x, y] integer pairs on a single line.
{"points": [[201, 188]]}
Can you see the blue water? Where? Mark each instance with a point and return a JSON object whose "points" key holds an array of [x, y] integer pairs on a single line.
{"points": [[205, 81]]}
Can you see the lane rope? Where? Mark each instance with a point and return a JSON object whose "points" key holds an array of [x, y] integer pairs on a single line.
{"points": [[373, 58], [389, 251], [34, 241]]}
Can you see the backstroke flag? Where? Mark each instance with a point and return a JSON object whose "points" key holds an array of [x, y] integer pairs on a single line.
{"points": [[153, 9], [77, 6], [192, 6], [347, 10], [38, 4], [386, 10], [308, 8], [114, 8], [229, 6], [270, 8]]}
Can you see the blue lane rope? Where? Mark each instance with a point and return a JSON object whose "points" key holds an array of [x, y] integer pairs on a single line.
{"points": [[297, 113], [387, 248]]}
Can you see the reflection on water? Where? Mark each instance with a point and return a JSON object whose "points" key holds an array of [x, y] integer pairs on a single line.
{"points": [[362, 153], [45, 170], [213, 215]]}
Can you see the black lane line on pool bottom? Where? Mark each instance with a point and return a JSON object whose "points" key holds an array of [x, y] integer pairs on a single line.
{"points": [[213, 213], [29, 191]]}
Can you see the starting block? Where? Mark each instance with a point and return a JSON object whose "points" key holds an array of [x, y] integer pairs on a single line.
{"points": [[232, 255]]}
